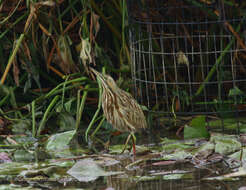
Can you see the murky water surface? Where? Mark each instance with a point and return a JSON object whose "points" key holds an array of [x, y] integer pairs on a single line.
{"points": [[188, 169], [138, 174]]}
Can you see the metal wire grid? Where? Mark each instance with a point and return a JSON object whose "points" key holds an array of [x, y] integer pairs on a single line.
{"points": [[186, 66]]}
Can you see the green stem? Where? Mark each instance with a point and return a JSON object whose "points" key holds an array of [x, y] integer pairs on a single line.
{"points": [[44, 119], [63, 90], [81, 108], [2, 102], [12, 25], [61, 85], [217, 63], [78, 103], [98, 109], [14, 103], [33, 119], [68, 8], [55, 90], [11, 59], [98, 127], [11, 14]]}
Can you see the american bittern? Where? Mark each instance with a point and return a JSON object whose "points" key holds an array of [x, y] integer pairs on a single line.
{"points": [[120, 109]]}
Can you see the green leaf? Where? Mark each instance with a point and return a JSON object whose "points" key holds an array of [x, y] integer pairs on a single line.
{"points": [[225, 144], [22, 127], [239, 155], [196, 129], [177, 155], [235, 92], [23, 156], [59, 143], [176, 176], [12, 168], [88, 170], [117, 149], [174, 146], [65, 121]]}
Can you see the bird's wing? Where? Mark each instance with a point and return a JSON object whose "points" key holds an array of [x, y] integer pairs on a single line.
{"points": [[133, 114]]}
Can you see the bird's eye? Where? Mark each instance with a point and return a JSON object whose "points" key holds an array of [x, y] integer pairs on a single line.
{"points": [[110, 81]]}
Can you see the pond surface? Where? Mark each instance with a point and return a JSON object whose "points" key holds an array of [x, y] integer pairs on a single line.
{"points": [[160, 163], [138, 174]]}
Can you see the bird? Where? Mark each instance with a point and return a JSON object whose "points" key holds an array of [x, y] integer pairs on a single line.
{"points": [[120, 109]]}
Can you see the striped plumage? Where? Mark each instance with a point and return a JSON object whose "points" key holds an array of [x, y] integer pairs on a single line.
{"points": [[120, 108]]}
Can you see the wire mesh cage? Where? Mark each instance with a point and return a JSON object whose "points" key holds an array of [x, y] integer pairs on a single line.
{"points": [[188, 56]]}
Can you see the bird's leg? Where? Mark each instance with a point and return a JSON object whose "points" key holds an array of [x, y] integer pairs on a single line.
{"points": [[132, 136], [133, 144], [127, 140]]}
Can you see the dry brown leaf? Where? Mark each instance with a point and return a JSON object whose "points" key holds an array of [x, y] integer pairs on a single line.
{"points": [[67, 63]]}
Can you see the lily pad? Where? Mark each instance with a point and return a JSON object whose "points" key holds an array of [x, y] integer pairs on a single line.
{"points": [[22, 127], [117, 149], [88, 170], [49, 171], [178, 176], [65, 122], [146, 178], [177, 155], [196, 129], [58, 144], [225, 144], [169, 148], [167, 140], [239, 155], [13, 168], [23, 155]]}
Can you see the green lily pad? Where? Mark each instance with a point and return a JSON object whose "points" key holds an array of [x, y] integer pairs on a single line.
{"points": [[178, 176], [65, 121], [174, 146], [239, 155], [23, 155], [15, 186], [177, 155], [146, 178], [167, 140], [88, 170], [22, 127], [196, 129], [48, 171], [225, 144], [117, 149], [13, 168], [58, 144]]}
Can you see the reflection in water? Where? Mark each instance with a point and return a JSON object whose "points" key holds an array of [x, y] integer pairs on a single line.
{"points": [[143, 176], [149, 174], [125, 181]]}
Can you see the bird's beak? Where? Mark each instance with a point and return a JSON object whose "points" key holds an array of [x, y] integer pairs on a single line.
{"points": [[99, 75]]}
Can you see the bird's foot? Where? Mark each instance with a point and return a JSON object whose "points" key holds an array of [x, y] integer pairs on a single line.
{"points": [[106, 145]]}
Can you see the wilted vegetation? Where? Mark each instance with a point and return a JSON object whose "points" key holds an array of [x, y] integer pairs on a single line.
{"points": [[45, 49], [50, 105]]}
